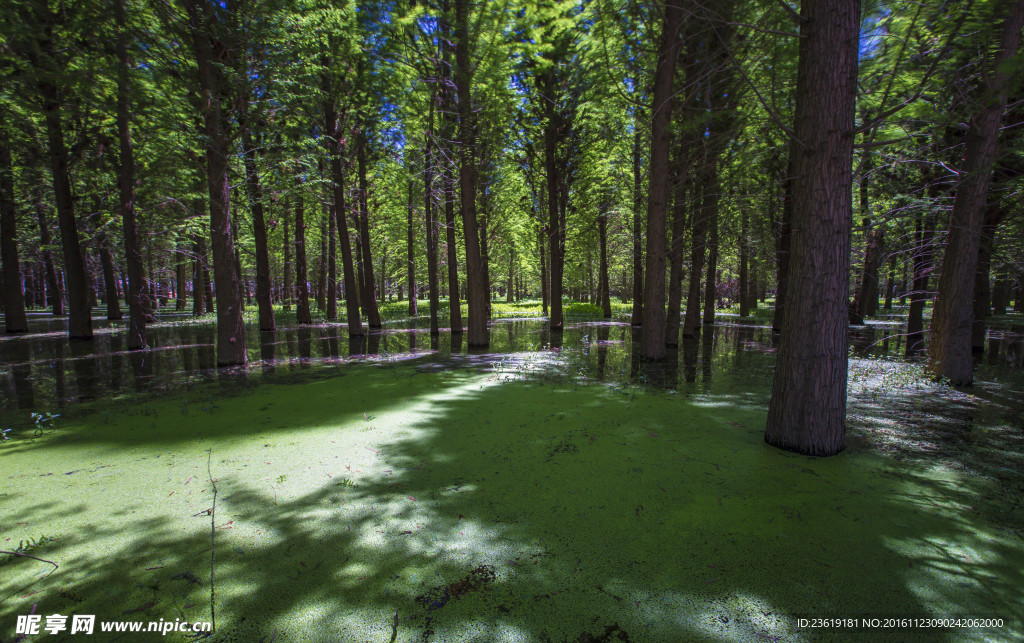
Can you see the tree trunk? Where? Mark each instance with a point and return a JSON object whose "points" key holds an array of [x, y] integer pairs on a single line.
{"points": [[923, 256], [982, 287], [551, 168], [675, 282], [744, 284], [209, 50], [198, 288], [807, 411], [636, 318], [865, 302], [411, 256], [321, 268], [603, 291], [334, 143], [783, 239], [54, 293], [259, 229], [79, 313], [707, 213], [109, 280], [302, 313], [476, 286], [180, 278], [712, 271], [368, 298], [15, 319], [652, 335], [543, 275], [332, 259], [949, 348], [431, 227]]}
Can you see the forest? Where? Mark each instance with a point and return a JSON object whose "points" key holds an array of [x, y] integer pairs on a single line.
{"points": [[553, 320]]}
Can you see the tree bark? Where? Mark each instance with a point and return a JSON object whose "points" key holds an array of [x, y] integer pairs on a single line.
{"points": [[334, 142], [603, 290], [676, 253], [259, 229], [54, 293], [476, 286], [949, 348], [411, 255], [712, 271], [15, 318], [636, 318], [807, 411], [332, 259], [302, 313], [431, 227], [652, 335], [109, 279], [369, 299], [209, 50]]}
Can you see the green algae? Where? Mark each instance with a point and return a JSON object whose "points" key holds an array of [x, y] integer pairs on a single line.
{"points": [[403, 503]]}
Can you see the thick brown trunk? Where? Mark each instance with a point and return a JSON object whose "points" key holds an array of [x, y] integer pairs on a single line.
{"points": [[369, 299], [259, 229], [476, 285], [302, 312], [949, 347], [209, 51], [15, 319], [807, 411], [652, 335]]}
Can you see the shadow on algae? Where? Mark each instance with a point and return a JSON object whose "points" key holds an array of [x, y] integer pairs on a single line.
{"points": [[409, 504]]}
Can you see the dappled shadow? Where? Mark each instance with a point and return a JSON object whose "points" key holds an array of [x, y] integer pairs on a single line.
{"points": [[502, 506]]}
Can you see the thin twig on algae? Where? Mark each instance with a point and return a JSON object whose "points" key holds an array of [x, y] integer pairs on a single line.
{"points": [[24, 555]]}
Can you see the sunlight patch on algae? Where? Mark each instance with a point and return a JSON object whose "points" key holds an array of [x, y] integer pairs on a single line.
{"points": [[593, 512]]}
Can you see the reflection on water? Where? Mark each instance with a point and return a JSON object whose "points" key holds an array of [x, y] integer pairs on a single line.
{"points": [[43, 371]]}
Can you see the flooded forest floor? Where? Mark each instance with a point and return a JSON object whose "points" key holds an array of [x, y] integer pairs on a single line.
{"points": [[552, 488]]}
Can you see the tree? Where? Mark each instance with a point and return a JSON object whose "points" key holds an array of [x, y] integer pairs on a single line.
{"points": [[807, 411]]}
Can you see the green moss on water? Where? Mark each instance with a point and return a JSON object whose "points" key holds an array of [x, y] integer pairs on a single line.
{"points": [[478, 506]]}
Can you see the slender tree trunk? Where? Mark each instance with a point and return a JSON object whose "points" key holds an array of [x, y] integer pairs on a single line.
{"points": [[676, 254], [411, 256], [552, 125], [707, 211], [476, 286], [209, 50], [259, 228], [54, 293], [712, 271], [286, 286], [923, 257], [198, 288], [638, 202], [321, 268], [332, 259], [368, 297], [745, 288], [302, 313], [109, 280], [982, 286], [807, 411], [652, 336], [79, 313], [543, 275], [949, 350], [180, 277], [890, 284], [603, 290], [431, 227], [15, 319], [334, 143], [783, 240]]}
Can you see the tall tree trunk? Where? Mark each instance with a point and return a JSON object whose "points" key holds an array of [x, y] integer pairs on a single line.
{"points": [[476, 286], [807, 411], [15, 319], [411, 256], [259, 229], [923, 256], [54, 293], [552, 125], [209, 50], [707, 211], [636, 318], [79, 313], [603, 290], [126, 187], [652, 335], [865, 302], [949, 348], [712, 271], [745, 288], [180, 277], [982, 285], [321, 268], [198, 288], [332, 259], [431, 227], [676, 254], [890, 284], [109, 279], [543, 274], [368, 298], [302, 313], [334, 143]]}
